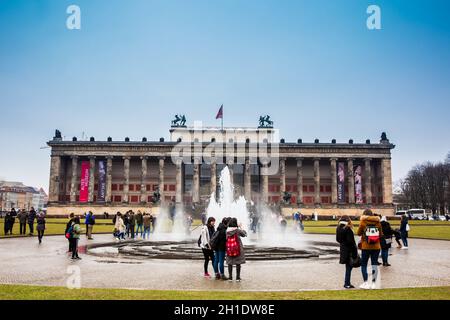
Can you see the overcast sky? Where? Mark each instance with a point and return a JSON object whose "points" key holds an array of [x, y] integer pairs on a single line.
{"points": [[312, 65]]}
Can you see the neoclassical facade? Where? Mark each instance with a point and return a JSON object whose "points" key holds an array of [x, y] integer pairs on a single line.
{"points": [[328, 178]]}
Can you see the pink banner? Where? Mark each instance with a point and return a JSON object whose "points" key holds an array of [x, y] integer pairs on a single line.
{"points": [[84, 181]]}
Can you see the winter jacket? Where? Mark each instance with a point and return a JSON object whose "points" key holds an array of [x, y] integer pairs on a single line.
{"points": [[23, 217], [139, 218], [241, 258], [119, 226], [31, 216], [222, 240], [147, 221], [40, 224], [387, 235], [369, 221], [403, 225], [205, 237], [346, 240], [132, 220], [76, 231]]}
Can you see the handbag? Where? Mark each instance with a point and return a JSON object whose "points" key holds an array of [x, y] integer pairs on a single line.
{"points": [[355, 262], [407, 228]]}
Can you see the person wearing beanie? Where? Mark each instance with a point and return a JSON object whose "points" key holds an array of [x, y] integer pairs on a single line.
{"points": [[370, 231]]}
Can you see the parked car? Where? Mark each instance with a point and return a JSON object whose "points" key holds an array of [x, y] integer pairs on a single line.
{"points": [[400, 212], [417, 214]]}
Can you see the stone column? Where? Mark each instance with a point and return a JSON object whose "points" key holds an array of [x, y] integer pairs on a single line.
{"points": [[282, 177], [317, 181], [213, 177], [73, 180], [144, 198], [386, 180], [299, 181], [368, 180], [247, 181], [351, 181], [161, 179], [265, 183], [126, 183], [196, 181], [178, 179], [333, 170], [91, 178], [55, 169], [108, 198]]}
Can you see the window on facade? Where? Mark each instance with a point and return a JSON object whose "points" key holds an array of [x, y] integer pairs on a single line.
{"points": [[311, 188], [171, 187], [138, 187], [114, 187], [134, 199], [131, 187]]}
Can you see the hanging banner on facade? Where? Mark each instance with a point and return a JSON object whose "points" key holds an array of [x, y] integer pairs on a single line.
{"points": [[84, 181], [101, 181], [341, 182], [358, 184]]}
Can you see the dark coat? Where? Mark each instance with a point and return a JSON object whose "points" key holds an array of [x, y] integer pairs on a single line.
{"points": [[346, 239], [387, 235], [241, 258], [31, 216], [40, 224], [222, 237]]}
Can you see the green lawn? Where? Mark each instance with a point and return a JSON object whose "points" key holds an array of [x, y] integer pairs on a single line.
{"points": [[23, 292]]}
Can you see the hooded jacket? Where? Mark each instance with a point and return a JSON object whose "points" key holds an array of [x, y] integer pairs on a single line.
{"points": [[369, 221], [241, 258]]}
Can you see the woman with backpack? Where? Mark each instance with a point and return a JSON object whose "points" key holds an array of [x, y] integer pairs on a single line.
{"points": [[348, 248], [218, 244], [370, 232], [40, 226], [235, 249], [205, 237], [76, 232]]}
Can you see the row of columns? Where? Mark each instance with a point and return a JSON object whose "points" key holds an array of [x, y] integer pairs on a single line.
{"points": [[385, 173]]}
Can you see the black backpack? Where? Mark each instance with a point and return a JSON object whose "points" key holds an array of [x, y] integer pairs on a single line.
{"points": [[199, 242], [214, 242]]}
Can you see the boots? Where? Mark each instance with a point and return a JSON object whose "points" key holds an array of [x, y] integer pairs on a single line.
{"points": [[238, 272], [230, 272]]}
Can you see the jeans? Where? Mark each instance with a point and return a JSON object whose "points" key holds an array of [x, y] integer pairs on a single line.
{"points": [[121, 235], [40, 235], [405, 238], [140, 227], [385, 255], [23, 228], [219, 260], [146, 232], [74, 247], [373, 255], [131, 231], [348, 274], [31, 226]]}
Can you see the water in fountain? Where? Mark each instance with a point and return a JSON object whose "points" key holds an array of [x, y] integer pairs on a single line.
{"points": [[227, 206], [171, 225], [270, 233]]}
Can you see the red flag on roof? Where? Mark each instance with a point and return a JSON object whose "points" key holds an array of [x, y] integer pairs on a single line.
{"points": [[220, 113]]}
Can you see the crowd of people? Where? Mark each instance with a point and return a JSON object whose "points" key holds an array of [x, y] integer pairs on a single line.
{"points": [[25, 218], [131, 225], [376, 237]]}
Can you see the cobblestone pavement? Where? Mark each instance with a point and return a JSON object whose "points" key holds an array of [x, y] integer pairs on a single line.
{"points": [[24, 261]]}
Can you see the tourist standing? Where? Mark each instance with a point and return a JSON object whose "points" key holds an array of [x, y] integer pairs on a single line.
{"points": [[40, 226], [204, 217], [68, 228], [31, 217], [404, 229], [126, 221], [370, 232], [153, 220], [7, 222], [234, 248], [205, 237], [119, 227], [348, 249], [147, 224], [23, 216], [219, 247], [386, 240], [131, 224], [76, 232], [189, 221], [139, 223], [90, 222]]}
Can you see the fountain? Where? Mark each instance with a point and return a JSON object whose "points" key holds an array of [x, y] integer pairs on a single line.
{"points": [[272, 240]]}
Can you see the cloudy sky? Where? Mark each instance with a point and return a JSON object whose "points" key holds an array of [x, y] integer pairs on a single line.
{"points": [[312, 65]]}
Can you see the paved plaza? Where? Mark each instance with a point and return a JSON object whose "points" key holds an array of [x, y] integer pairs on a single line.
{"points": [[427, 263]]}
